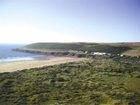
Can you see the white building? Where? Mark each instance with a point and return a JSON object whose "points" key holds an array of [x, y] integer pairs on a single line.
{"points": [[100, 53]]}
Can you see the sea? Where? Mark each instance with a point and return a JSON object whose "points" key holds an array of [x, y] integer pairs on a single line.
{"points": [[8, 55]]}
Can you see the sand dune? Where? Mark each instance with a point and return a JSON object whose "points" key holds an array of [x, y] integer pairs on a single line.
{"points": [[15, 66]]}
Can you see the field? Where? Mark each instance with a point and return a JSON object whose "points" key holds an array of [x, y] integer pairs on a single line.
{"points": [[134, 52], [134, 48]]}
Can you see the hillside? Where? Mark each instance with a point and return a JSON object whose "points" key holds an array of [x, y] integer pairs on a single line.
{"points": [[101, 81], [117, 48]]}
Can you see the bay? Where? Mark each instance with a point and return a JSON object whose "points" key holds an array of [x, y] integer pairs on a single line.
{"points": [[8, 55]]}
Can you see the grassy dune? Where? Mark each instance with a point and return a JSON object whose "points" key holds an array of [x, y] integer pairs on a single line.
{"points": [[100, 81]]}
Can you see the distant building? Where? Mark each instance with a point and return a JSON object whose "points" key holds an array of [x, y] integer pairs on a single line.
{"points": [[121, 55], [86, 52], [100, 53]]}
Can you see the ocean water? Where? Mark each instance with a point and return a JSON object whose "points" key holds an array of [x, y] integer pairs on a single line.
{"points": [[8, 55]]}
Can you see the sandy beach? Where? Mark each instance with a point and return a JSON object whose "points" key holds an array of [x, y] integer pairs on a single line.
{"points": [[21, 65]]}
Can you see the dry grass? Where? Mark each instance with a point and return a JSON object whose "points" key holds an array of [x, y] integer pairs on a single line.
{"points": [[134, 52]]}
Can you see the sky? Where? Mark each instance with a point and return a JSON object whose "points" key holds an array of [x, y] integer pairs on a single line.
{"points": [[30, 21]]}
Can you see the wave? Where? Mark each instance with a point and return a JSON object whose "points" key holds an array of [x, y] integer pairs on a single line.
{"points": [[12, 59]]}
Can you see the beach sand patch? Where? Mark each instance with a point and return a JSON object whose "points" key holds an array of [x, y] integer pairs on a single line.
{"points": [[21, 65]]}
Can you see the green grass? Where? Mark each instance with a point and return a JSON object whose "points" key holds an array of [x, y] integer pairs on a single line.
{"points": [[79, 49], [90, 47], [101, 81], [133, 84]]}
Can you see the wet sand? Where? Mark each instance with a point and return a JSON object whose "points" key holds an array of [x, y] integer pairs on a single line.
{"points": [[21, 65]]}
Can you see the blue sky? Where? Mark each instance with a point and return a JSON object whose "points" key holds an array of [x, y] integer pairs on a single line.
{"points": [[28, 21]]}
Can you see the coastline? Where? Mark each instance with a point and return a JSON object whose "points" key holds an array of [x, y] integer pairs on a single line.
{"points": [[27, 58], [21, 65]]}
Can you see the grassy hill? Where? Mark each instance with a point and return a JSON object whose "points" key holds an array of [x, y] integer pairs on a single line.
{"points": [[100, 81], [90, 47], [134, 48]]}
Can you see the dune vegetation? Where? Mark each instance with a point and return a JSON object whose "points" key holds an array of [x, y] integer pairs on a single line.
{"points": [[102, 80]]}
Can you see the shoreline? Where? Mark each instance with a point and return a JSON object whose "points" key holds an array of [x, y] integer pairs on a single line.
{"points": [[22, 65], [27, 58]]}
